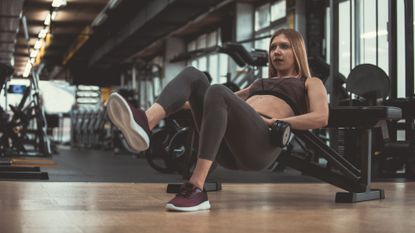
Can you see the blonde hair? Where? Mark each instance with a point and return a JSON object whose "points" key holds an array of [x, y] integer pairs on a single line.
{"points": [[300, 53]]}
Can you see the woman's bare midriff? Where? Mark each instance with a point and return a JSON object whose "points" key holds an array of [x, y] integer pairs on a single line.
{"points": [[271, 106]]}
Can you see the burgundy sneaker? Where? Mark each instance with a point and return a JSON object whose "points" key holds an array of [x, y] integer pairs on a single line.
{"points": [[189, 198], [131, 121]]}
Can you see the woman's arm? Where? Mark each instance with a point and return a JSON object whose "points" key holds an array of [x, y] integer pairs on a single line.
{"points": [[318, 115]]}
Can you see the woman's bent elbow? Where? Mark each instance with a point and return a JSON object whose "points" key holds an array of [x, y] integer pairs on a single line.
{"points": [[324, 121]]}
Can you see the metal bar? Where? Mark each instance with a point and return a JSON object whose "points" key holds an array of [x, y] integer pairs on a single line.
{"points": [[351, 35], [377, 31], [366, 156], [122, 80], [334, 57], [321, 173], [393, 47], [332, 156], [409, 47], [134, 78], [357, 32]]}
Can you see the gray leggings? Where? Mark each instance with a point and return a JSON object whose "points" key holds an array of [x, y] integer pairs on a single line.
{"points": [[230, 130]]}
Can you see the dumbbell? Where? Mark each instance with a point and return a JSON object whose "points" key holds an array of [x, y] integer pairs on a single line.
{"points": [[280, 133]]}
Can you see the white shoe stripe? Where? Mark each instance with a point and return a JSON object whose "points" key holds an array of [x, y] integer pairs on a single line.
{"points": [[121, 116], [202, 206]]}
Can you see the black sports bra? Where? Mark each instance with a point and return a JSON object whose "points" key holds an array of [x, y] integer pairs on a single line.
{"points": [[291, 90]]}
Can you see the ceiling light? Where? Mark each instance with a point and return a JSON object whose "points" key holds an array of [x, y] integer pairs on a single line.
{"points": [[58, 3], [43, 32], [27, 69], [38, 44], [47, 20], [53, 15], [34, 53]]}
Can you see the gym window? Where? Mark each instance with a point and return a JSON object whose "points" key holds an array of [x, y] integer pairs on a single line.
{"points": [[268, 18], [358, 41], [215, 64]]}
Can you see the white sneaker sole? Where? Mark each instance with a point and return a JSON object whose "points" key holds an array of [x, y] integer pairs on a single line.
{"points": [[202, 206], [121, 116]]}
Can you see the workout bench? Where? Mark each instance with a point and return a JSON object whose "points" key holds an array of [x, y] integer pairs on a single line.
{"points": [[338, 171]]}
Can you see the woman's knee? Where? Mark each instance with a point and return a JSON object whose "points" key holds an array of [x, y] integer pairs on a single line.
{"points": [[216, 95], [193, 74], [217, 90]]}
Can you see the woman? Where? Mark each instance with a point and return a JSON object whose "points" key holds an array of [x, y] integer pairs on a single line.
{"points": [[236, 124]]}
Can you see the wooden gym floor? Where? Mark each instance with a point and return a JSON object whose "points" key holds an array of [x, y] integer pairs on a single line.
{"points": [[43, 207]]}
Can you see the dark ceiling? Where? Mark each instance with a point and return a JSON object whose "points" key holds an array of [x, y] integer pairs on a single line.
{"points": [[88, 48], [9, 22], [69, 22]]}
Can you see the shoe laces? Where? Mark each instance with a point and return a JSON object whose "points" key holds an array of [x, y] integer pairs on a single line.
{"points": [[187, 190]]}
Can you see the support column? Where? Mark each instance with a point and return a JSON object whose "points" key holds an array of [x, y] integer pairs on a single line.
{"points": [[334, 56], [244, 29], [244, 22], [122, 82], [409, 47], [173, 46], [134, 78], [393, 47], [300, 18]]}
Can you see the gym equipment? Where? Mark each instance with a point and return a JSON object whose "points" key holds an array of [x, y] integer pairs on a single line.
{"points": [[13, 139], [368, 81], [257, 57], [25, 133], [372, 86], [16, 89], [338, 171], [251, 61], [407, 105], [157, 155], [280, 133], [5, 72], [173, 147], [397, 155], [90, 127], [16, 137]]}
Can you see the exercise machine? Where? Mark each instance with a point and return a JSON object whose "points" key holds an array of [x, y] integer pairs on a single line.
{"points": [[392, 156], [251, 62], [11, 141]]}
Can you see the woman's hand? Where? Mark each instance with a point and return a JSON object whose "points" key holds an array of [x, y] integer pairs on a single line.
{"points": [[268, 121]]}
